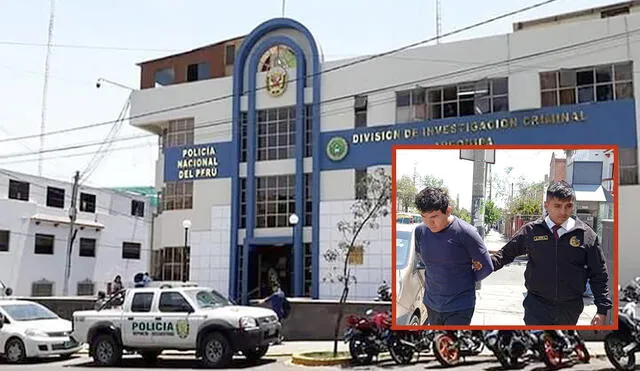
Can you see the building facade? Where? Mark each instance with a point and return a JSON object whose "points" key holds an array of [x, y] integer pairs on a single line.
{"points": [[113, 236], [289, 132]]}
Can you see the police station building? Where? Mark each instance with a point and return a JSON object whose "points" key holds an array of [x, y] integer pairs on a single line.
{"points": [[266, 128]]}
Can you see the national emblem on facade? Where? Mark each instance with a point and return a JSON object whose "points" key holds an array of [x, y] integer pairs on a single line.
{"points": [[276, 81]]}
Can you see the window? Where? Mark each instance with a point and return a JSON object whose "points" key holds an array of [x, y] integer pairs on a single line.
{"points": [[229, 54], [243, 202], [87, 247], [4, 240], [164, 77], [178, 133], [628, 166], [168, 264], [585, 85], [464, 99], [137, 208], [87, 202], [308, 178], [42, 288], [274, 201], [173, 302], [85, 288], [360, 184], [273, 131], [55, 197], [44, 244], [131, 250], [360, 108], [197, 71], [276, 133], [177, 195], [18, 190], [141, 302]]}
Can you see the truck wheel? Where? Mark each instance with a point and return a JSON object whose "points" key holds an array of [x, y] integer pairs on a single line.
{"points": [[106, 351], [255, 354], [216, 351]]}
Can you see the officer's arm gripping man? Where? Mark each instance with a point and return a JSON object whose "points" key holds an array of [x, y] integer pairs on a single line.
{"points": [[514, 248]]}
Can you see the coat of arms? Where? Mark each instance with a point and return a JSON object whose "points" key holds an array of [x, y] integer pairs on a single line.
{"points": [[276, 81]]}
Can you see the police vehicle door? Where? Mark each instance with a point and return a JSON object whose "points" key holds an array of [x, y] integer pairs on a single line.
{"points": [[179, 321], [138, 323]]}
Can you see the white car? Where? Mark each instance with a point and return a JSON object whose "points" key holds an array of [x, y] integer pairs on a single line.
{"points": [[410, 310], [30, 330]]}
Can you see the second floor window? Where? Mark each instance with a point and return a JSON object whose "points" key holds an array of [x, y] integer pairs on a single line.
{"points": [[87, 203], [464, 99], [178, 133], [55, 197], [18, 190], [177, 195], [586, 85]]}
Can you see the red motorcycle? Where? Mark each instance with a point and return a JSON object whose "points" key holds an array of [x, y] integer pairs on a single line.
{"points": [[365, 335]]}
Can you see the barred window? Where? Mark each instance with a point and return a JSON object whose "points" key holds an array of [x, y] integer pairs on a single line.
{"points": [[171, 263], [274, 201], [464, 99], [588, 84], [178, 133], [42, 288], [86, 288], [177, 196]]}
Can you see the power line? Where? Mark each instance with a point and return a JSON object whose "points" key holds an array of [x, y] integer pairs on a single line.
{"points": [[45, 86], [85, 46], [339, 67], [211, 123]]}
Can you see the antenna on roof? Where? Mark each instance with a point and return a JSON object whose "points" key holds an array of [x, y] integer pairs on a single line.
{"points": [[438, 21]]}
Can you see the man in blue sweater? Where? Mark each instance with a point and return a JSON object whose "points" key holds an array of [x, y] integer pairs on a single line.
{"points": [[455, 258]]}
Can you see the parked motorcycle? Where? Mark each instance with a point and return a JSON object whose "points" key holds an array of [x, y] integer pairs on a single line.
{"points": [[450, 346], [365, 335], [622, 344], [555, 348], [404, 344], [512, 346]]}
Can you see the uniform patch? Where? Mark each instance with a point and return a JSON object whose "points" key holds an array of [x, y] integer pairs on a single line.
{"points": [[541, 238], [574, 241]]}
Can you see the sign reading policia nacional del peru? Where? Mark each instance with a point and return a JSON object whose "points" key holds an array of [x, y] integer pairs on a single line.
{"points": [[612, 122]]}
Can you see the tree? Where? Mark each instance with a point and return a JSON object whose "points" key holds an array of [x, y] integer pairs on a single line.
{"points": [[491, 213], [432, 181], [405, 193], [365, 213], [528, 200]]}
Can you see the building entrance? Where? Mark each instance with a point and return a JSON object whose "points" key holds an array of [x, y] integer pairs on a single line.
{"points": [[269, 265]]}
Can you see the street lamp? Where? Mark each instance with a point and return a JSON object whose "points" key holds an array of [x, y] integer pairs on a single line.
{"points": [[186, 224], [101, 80], [293, 220]]}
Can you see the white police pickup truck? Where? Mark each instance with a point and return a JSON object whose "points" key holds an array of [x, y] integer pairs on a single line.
{"points": [[150, 320]]}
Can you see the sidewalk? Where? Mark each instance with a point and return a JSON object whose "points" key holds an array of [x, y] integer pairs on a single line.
{"points": [[288, 348]]}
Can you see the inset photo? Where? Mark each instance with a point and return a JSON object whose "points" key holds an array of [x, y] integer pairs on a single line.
{"points": [[492, 237]]}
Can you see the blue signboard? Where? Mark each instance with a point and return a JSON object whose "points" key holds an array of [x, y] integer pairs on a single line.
{"points": [[198, 161], [611, 122]]}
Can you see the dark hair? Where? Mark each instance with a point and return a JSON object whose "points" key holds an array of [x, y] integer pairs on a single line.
{"points": [[432, 199], [561, 190]]}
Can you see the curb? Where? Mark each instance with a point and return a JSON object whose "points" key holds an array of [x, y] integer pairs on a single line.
{"points": [[301, 359]]}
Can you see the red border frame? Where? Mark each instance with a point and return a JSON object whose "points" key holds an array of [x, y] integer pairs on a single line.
{"points": [[613, 312]]}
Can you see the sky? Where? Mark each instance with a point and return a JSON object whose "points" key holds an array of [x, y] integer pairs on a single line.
{"points": [[457, 174], [147, 29]]}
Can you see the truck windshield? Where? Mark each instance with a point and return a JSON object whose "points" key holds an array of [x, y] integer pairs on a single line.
{"points": [[209, 299]]}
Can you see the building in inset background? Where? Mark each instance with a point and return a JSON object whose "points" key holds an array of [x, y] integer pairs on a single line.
{"points": [[281, 122], [113, 236], [557, 168]]}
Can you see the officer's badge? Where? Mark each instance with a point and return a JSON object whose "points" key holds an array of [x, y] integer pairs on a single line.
{"points": [[544, 237], [574, 241]]}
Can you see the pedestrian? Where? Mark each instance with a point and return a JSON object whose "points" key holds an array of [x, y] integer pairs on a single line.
{"points": [[455, 258], [279, 304], [563, 255], [116, 285]]}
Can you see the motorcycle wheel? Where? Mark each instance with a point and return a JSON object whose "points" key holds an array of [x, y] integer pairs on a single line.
{"points": [[613, 344], [582, 352], [552, 357], [506, 362], [402, 354], [358, 351], [447, 350]]}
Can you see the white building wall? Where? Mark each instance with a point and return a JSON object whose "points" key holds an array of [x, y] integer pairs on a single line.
{"points": [[20, 266], [521, 56]]}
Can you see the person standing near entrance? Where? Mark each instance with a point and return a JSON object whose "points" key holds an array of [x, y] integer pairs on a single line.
{"points": [[454, 256], [279, 304], [564, 254]]}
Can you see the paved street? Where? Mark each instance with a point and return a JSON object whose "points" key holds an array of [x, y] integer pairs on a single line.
{"points": [[279, 363], [499, 302]]}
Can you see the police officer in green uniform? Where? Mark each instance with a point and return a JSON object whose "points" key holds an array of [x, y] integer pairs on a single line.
{"points": [[564, 254]]}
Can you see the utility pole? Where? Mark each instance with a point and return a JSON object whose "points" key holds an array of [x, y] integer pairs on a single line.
{"points": [[72, 233]]}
